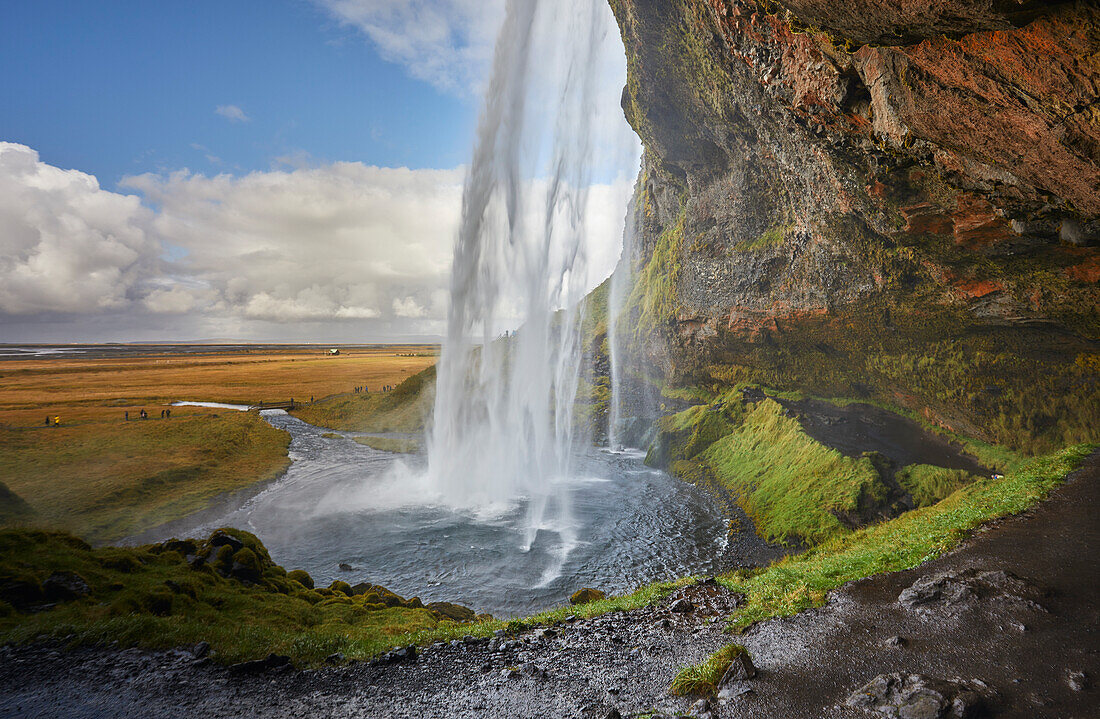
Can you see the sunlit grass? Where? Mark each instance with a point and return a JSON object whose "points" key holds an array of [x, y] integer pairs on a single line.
{"points": [[787, 482], [801, 582], [703, 678], [106, 478]]}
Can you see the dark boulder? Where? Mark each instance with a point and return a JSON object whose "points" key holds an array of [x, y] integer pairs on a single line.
{"points": [[970, 588], [682, 606], [453, 612], [912, 696], [221, 538], [22, 592], [64, 586]]}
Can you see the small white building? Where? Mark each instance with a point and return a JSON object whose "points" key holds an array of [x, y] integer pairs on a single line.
{"points": [[334, 351]]}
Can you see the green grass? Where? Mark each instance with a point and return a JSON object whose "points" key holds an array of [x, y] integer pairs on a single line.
{"points": [[928, 484], [132, 601], [788, 483], [400, 445], [703, 678], [104, 480], [403, 409], [150, 597], [800, 582]]}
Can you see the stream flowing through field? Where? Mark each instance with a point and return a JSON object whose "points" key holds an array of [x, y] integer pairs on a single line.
{"points": [[343, 503]]}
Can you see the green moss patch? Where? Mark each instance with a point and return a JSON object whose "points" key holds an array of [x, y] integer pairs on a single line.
{"points": [[802, 581], [703, 678], [792, 486], [224, 590], [653, 297], [928, 484]]}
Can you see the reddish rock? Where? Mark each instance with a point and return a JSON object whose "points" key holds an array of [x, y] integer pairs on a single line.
{"points": [[926, 219], [977, 224], [1087, 271], [973, 289]]}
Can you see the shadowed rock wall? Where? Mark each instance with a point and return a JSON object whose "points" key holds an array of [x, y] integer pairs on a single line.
{"points": [[889, 200]]}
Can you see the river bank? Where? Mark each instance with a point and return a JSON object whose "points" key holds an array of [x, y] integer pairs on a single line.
{"points": [[809, 665]]}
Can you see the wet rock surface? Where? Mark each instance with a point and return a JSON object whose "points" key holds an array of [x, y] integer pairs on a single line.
{"points": [[912, 696], [864, 654]]}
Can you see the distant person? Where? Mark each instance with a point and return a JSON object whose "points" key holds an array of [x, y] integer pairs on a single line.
{"points": [[56, 421], [47, 420], [162, 414], [126, 415], [144, 414], [168, 414], [311, 399]]}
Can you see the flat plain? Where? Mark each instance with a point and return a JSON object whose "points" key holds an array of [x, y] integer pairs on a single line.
{"points": [[103, 477]]}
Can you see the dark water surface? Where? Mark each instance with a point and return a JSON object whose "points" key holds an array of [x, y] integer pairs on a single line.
{"points": [[341, 502]]}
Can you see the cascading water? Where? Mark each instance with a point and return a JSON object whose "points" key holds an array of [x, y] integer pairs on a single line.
{"points": [[503, 428]]}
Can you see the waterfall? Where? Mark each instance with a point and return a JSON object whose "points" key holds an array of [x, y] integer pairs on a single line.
{"points": [[503, 432]]}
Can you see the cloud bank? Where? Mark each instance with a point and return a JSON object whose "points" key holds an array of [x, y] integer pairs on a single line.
{"points": [[344, 250]]}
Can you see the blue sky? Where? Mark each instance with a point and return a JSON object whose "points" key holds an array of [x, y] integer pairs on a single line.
{"points": [[285, 170], [124, 87]]}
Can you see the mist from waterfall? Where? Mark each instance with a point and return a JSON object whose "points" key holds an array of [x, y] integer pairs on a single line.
{"points": [[503, 432]]}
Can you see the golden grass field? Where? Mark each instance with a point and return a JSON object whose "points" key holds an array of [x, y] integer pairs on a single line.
{"points": [[104, 478]]}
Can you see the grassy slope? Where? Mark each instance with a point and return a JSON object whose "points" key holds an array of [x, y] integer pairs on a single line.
{"points": [[404, 409], [149, 597], [104, 478], [788, 483], [800, 582]]}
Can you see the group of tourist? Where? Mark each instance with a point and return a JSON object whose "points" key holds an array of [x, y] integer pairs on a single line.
{"points": [[164, 414], [364, 390]]}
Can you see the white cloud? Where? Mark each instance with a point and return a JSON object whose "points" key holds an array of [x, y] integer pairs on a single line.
{"points": [[447, 43], [172, 300], [232, 113], [408, 307], [350, 250], [337, 242], [65, 244]]}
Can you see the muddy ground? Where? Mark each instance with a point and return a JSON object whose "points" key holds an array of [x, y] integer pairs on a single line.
{"points": [[1014, 608]]}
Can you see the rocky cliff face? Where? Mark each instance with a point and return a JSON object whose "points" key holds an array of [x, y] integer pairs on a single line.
{"points": [[890, 200]]}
